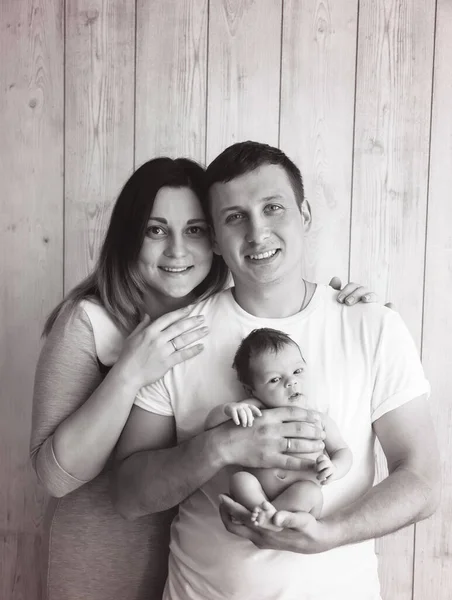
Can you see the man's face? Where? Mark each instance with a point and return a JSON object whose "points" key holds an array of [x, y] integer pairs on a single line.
{"points": [[259, 229]]}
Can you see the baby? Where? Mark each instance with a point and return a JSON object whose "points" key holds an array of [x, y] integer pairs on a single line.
{"points": [[271, 368]]}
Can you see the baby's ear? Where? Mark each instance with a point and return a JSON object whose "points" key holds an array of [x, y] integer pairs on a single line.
{"points": [[249, 390]]}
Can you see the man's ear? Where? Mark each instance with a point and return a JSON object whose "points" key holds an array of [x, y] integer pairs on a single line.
{"points": [[306, 215], [213, 238]]}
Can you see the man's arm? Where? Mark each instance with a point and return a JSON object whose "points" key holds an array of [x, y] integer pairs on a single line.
{"points": [[153, 473], [410, 493]]}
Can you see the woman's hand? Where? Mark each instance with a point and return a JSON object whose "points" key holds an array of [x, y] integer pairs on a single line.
{"points": [[353, 293], [153, 348]]}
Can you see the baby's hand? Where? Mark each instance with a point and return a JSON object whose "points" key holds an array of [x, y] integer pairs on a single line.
{"points": [[324, 469], [242, 413]]}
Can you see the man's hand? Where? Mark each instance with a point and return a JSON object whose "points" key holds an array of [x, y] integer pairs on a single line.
{"points": [[301, 532], [324, 469], [242, 413], [273, 440], [353, 293]]}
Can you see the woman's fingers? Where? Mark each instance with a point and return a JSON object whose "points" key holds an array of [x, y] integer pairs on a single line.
{"points": [[167, 320], [177, 357], [185, 339], [180, 327]]}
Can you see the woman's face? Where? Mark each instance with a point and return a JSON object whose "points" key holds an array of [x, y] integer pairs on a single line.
{"points": [[176, 254]]}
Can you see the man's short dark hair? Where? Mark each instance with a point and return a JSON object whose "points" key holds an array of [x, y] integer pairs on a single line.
{"points": [[256, 343], [245, 157]]}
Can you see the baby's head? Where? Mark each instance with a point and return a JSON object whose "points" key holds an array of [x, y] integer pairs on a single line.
{"points": [[270, 366]]}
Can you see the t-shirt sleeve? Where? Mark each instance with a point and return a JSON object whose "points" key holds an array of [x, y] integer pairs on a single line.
{"points": [[399, 376], [155, 398], [66, 375]]}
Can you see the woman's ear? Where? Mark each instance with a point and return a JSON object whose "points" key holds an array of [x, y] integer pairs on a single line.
{"points": [[306, 214]]}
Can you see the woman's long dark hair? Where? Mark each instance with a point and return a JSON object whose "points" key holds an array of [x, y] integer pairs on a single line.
{"points": [[116, 281]]}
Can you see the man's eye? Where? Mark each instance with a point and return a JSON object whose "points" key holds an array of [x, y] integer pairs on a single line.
{"points": [[272, 208], [234, 217]]}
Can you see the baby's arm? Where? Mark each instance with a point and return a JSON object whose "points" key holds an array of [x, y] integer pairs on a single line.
{"points": [[242, 413], [339, 459]]}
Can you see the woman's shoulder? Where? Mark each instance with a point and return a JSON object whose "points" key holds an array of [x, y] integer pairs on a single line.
{"points": [[108, 338]]}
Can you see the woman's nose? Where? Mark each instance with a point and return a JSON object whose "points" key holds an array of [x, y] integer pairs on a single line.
{"points": [[176, 247]]}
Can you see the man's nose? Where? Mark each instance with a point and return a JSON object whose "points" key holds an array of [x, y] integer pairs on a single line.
{"points": [[258, 231]]}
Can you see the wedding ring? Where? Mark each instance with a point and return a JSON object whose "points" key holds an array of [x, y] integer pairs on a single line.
{"points": [[288, 444], [174, 345]]}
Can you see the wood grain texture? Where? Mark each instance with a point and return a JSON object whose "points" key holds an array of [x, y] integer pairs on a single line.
{"points": [[244, 73], [393, 97], [20, 559], [316, 125], [99, 119], [31, 254], [433, 547], [171, 70]]}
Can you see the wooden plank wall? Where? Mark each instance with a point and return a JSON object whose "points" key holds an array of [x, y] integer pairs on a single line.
{"points": [[357, 92]]}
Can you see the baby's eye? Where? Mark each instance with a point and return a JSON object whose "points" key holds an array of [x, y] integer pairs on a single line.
{"points": [[275, 379], [298, 371]]}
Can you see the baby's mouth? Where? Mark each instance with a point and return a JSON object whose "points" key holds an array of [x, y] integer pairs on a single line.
{"points": [[294, 396]]}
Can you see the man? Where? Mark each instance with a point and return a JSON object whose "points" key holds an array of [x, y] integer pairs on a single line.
{"points": [[366, 374]]}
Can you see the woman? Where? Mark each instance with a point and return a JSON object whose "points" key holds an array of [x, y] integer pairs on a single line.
{"points": [[156, 258]]}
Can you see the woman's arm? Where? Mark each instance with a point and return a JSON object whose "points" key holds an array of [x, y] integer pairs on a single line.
{"points": [[77, 416]]}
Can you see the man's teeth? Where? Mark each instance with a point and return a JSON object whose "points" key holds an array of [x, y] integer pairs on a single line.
{"points": [[263, 255], [175, 269]]}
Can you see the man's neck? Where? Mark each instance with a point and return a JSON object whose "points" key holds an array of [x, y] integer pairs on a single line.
{"points": [[274, 300]]}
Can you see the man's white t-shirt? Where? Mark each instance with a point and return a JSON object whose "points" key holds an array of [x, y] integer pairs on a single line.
{"points": [[362, 363]]}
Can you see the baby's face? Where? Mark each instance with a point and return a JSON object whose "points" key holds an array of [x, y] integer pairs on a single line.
{"points": [[278, 377]]}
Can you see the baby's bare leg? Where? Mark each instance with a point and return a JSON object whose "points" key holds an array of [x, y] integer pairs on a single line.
{"points": [[305, 496], [246, 489]]}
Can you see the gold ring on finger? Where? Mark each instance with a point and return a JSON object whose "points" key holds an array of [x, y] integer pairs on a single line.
{"points": [[289, 441], [174, 345]]}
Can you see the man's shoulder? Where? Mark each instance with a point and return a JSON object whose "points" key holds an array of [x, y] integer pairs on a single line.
{"points": [[210, 306]]}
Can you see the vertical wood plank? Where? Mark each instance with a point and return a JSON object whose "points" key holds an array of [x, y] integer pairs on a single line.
{"points": [[100, 50], [244, 73], [171, 79], [317, 117], [31, 207], [433, 547], [395, 60]]}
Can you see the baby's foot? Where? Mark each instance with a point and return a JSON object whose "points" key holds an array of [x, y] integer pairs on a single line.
{"points": [[262, 516]]}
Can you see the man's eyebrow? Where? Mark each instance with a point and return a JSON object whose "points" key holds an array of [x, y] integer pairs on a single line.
{"points": [[261, 200], [189, 222]]}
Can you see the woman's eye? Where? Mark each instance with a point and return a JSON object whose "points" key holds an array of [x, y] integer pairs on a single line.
{"points": [[234, 217], [196, 231], [155, 231]]}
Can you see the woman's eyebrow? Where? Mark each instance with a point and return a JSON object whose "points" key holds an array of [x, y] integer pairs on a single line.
{"points": [[189, 222]]}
